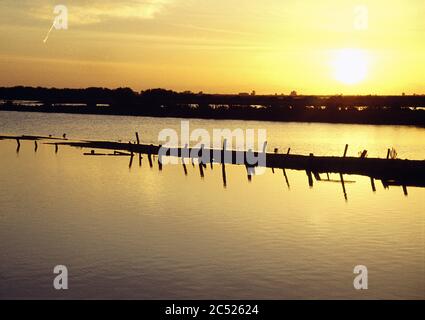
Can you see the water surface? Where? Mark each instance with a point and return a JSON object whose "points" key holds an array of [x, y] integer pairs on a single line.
{"points": [[148, 234]]}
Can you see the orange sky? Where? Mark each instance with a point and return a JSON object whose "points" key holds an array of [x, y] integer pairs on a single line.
{"points": [[271, 46]]}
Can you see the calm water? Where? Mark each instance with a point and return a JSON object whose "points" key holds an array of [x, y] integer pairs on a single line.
{"points": [[302, 138], [143, 233]]}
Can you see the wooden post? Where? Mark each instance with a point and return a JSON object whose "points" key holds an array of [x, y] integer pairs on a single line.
{"points": [[140, 154], [18, 146], [131, 161], [35, 145], [201, 154], [310, 178], [250, 172], [317, 176], [223, 173], [343, 186], [201, 170], [345, 150], [405, 191], [131, 148], [56, 148], [286, 178], [372, 182], [388, 153], [160, 158], [150, 160], [289, 150], [276, 150]]}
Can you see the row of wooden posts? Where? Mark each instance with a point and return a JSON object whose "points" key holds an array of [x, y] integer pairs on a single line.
{"points": [[250, 169], [390, 152]]}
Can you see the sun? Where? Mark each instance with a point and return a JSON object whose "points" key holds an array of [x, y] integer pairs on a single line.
{"points": [[350, 66]]}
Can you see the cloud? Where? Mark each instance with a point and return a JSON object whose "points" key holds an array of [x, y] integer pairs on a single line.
{"points": [[97, 11]]}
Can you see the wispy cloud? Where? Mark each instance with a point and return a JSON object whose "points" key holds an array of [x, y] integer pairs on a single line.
{"points": [[97, 11]]}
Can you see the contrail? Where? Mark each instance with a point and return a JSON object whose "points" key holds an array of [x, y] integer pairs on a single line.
{"points": [[48, 33]]}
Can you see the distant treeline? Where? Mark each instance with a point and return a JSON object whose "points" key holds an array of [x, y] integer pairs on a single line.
{"points": [[370, 109]]}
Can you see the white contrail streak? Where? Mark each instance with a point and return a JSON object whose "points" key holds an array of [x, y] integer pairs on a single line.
{"points": [[48, 33]]}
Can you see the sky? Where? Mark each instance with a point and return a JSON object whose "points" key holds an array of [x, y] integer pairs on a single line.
{"points": [[217, 46]]}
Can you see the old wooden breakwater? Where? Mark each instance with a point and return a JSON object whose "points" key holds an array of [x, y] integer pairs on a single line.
{"points": [[409, 172], [390, 171]]}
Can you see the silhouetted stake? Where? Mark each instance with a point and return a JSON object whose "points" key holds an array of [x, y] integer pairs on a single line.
{"points": [[364, 154], [372, 182], [310, 178], [250, 171], [405, 191], [18, 146], [56, 148], [286, 178], [289, 151], [131, 148], [137, 138], [140, 159], [150, 160], [384, 184], [276, 150], [211, 161], [201, 170], [343, 186], [131, 161], [345, 150], [327, 175], [223, 173], [317, 176], [201, 154], [35, 146], [160, 158], [184, 152], [388, 153]]}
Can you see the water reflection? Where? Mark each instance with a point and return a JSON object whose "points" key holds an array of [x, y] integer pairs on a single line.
{"points": [[312, 177], [140, 234]]}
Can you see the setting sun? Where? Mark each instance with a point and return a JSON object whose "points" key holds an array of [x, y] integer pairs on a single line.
{"points": [[350, 66]]}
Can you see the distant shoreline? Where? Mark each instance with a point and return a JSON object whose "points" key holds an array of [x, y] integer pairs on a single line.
{"points": [[378, 110]]}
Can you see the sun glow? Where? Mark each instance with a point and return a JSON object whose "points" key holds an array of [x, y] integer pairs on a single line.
{"points": [[350, 66]]}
